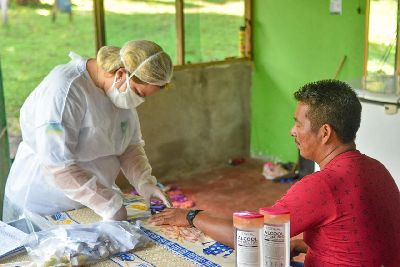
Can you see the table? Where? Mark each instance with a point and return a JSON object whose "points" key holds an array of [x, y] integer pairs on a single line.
{"points": [[162, 251]]}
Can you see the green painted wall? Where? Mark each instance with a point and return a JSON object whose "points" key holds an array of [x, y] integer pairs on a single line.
{"points": [[296, 42]]}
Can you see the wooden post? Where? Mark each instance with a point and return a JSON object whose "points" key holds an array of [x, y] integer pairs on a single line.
{"points": [[99, 25], [397, 63], [180, 33], [4, 149], [54, 11], [366, 38], [248, 30]]}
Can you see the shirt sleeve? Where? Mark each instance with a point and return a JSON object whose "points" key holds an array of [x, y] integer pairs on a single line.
{"points": [[310, 204]]}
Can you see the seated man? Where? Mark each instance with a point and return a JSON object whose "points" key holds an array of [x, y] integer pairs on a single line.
{"points": [[349, 211]]}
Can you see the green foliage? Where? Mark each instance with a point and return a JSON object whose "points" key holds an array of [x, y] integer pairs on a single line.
{"points": [[381, 59], [31, 45]]}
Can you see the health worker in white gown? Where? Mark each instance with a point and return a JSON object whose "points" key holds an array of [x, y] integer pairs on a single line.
{"points": [[80, 127]]}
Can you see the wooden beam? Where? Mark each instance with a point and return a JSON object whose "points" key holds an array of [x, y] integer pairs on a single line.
{"points": [[397, 63], [180, 33], [366, 38], [248, 30], [99, 25], [227, 61]]}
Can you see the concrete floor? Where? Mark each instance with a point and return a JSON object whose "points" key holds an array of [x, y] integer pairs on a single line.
{"points": [[231, 188]]}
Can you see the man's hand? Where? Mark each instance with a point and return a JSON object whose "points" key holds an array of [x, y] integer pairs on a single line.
{"points": [[148, 191], [218, 228], [175, 217]]}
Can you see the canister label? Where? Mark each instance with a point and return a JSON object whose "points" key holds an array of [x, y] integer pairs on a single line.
{"points": [[247, 248], [275, 245]]}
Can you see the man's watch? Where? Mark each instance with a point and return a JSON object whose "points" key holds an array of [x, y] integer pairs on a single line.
{"points": [[191, 215]]}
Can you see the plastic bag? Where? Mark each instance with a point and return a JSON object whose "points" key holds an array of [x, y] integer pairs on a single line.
{"points": [[272, 170], [81, 244]]}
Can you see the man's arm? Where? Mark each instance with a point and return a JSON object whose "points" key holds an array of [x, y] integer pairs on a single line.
{"points": [[219, 229]]}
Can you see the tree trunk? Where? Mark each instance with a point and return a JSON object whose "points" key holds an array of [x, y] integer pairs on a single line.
{"points": [[4, 9]]}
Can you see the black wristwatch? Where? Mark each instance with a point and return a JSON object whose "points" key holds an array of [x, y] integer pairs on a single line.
{"points": [[191, 215]]}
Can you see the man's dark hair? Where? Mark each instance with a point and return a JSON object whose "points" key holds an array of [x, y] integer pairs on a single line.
{"points": [[332, 102]]}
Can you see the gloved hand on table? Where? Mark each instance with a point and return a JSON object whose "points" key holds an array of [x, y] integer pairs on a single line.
{"points": [[148, 191], [137, 170]]}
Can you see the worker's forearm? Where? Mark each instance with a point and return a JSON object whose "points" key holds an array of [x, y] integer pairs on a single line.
{"points": [[219, 229], [136, 167]]}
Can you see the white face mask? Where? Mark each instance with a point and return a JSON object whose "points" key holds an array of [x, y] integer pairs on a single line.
{"points": [[126, 100]]}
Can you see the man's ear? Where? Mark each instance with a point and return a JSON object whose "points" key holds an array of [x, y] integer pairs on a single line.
{"points": [[326, 132]]}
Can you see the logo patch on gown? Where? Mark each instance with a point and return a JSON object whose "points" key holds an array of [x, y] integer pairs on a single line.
{"points": [[54, 128], [124, 126]]}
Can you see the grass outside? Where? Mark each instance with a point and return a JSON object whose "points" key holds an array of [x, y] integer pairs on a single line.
{"points": [[382, 37], [31, 45]]}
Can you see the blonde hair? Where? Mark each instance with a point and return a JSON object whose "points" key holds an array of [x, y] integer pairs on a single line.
{"points": [[108, 58], [144, 59]]}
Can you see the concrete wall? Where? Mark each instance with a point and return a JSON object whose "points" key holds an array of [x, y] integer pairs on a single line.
{"points": [[201, 122]]}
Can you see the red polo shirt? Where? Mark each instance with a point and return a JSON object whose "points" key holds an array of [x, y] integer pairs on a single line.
{"points": [[349, 213]]}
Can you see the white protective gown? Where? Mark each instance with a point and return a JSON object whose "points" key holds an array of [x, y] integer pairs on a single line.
{"points": [[67, 120]]}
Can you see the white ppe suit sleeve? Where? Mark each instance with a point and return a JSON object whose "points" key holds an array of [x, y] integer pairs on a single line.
{"points": [[57, 140], [58, 122], [84, 188], [137, 170], [136, 167]]}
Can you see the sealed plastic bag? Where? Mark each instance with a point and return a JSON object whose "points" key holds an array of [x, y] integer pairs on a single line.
{"points": [[81, 244]]}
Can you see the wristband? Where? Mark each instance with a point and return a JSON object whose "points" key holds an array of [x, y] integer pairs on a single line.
{"points": [[191, 215]]}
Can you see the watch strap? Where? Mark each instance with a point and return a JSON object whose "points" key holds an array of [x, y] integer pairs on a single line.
{"points": [[191, 215]]}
